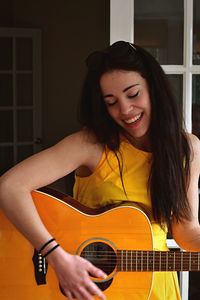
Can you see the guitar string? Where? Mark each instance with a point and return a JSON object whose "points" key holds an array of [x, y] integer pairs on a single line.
{"points": [[114, 257], [170, 254], [157, 265], [141, 265]]}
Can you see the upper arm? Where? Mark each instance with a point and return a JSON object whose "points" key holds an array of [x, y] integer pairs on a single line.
{"points": [[186, 231], [51, 164], [193, 197]]}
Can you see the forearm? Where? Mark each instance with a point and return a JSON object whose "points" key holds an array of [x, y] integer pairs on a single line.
{"points": [[17, 204], [187, 237]]}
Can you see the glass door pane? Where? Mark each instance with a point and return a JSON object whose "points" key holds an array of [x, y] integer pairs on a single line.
{"points": [[6, 158], [196, 32], [158, 27], [24, 86], [24, 53], [25, 126], [176, 82], [6, 125], [6, 58], [6, 90], [196, 105]]}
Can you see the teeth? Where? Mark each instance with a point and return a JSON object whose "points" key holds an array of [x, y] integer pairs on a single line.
{"points": [[132, 120]]}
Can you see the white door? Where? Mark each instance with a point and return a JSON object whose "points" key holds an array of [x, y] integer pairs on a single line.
{"points": [[20, 95]]}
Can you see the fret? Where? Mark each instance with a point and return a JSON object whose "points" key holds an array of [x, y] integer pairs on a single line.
{"points": [[186, 264], [141, 260], [160, 261], [131, 261], [170, 259], [181, 261], [147, 260], [156, 261], [167, 261], [178, 260], [163, 261], [136, 261], [122, 253], [194, 261], [153, 258], [190, 261], [174, 266], [126, 260], [150, 262]]}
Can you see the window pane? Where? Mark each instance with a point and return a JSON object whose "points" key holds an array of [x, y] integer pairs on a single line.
{"points": [[196, 33], [24, 53], [5, 53], [196, 105], [176, 82], [159, 27], [6, 90], [6, 125], [24, 125], [24, 89], [24, 152], [6, 158]]}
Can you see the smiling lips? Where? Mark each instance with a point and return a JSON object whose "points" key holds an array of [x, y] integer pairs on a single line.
{"points": [[133, 120]]}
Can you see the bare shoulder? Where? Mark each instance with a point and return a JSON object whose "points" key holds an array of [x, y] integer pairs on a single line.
{"points": [[84, 147], [82, 141], [194, 144], [195, 150]]}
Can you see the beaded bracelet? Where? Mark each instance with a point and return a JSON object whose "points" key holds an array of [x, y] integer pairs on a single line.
{"points": [[51, 250], [47, 243]]}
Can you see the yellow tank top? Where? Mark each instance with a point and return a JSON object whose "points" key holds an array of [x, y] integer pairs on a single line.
{"points": [[104, 187]]}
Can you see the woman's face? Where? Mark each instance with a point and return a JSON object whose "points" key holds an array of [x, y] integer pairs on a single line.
{"points": [[128, 102]]}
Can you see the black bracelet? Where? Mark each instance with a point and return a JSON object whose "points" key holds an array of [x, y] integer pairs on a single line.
{"points": [[47, 243], [51, 250]]}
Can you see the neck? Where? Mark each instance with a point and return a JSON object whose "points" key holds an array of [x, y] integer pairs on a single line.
{"points": [[142, 143]]}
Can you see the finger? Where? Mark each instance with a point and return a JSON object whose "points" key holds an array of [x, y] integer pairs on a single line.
{"points": [[62, 290], [96, 272], [94, 290], [82, 294], [69, 295], [91, 289]]}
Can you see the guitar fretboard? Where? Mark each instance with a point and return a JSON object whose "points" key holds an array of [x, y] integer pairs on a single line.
{"points": [[141, 261]]}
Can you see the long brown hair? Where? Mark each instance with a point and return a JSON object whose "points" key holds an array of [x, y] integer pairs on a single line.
{"points": [[170, 148]]}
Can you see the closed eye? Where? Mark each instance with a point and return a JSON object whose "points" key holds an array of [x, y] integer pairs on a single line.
{"points": [[110, 103], [133, 96]]}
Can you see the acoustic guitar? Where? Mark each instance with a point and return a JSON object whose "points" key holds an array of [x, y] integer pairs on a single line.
{"points": [[117, 239]]}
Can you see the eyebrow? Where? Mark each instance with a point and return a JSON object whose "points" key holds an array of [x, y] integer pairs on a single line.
{"points": [[124, 90]]}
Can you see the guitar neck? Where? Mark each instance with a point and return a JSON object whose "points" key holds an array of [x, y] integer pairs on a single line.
{"points": [[144, 261]]}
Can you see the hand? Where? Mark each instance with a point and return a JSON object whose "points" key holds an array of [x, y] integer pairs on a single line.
{"points": [[73, 275]]}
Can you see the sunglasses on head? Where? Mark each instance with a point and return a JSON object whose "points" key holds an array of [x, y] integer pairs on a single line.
{"points": [[115, 51]]}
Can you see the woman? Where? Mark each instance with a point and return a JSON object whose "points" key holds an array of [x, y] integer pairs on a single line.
{"points": [[132, 147]]}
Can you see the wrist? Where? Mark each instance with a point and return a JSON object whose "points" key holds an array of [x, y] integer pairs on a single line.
{"points": [[56, 256]]}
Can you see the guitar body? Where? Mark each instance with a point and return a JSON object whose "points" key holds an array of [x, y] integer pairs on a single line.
{"points": [[122, 227]]}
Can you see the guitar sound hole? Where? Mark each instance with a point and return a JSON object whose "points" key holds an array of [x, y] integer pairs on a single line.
{"points": [[101, 255]]}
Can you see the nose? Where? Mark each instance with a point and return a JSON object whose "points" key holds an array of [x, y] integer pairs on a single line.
{"points": [[125, 107]]}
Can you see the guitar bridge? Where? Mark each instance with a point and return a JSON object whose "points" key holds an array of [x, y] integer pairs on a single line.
{"points": [[40, 267]]}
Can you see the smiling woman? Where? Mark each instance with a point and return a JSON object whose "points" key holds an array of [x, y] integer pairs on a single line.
{"points": [[132, 148], [127, 99]]}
